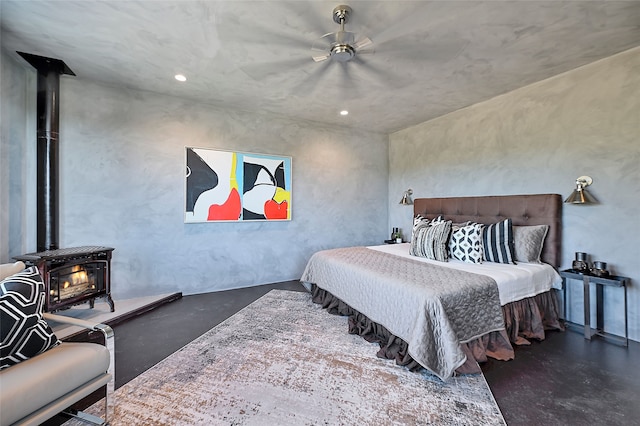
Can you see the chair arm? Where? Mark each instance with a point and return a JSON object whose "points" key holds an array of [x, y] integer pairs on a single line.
{"points": [[105, 329]]}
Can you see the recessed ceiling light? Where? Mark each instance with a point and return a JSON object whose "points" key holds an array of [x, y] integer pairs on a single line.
{"points": [[180, 77], [344, 112]]}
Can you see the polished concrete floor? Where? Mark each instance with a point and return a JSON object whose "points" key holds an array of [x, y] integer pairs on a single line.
{"points": [[565, 380]]}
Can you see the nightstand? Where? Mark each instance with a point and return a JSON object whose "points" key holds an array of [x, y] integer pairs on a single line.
{"points": [[600, 283]]}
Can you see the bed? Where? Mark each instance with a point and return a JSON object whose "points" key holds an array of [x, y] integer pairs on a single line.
{"points": [[447, 316]]}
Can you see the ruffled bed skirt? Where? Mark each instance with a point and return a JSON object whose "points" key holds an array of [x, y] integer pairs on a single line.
{"points": [[524, 319]]}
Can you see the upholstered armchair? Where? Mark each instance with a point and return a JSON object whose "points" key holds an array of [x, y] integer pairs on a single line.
{"points": [[40, 376]]}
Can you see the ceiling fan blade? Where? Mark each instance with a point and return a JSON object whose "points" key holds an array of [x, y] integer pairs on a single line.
{"points": [[426, 48], [312, 14], [257, 34], [324, 43], [349, 84], [345, 37], [365, 52], [322, 47], [320, 58], [382, 76], [344, 73], [309, 83], [363, 43], [264, 70], [405, 21]]}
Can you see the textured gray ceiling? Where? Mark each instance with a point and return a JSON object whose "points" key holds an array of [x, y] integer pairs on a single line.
{"points": [[431, 57]]}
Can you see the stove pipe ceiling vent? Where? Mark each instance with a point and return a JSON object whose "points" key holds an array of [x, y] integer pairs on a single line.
{"points": [[48, 118]]}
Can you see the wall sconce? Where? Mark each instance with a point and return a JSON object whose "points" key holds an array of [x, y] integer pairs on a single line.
{"points": [[406, 198], [580, 194]]}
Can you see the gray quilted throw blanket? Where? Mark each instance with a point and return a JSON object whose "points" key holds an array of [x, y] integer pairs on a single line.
{"points": [[432, 308]]}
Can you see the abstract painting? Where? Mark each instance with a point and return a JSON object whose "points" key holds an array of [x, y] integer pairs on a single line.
{"points": [[236, 186]]}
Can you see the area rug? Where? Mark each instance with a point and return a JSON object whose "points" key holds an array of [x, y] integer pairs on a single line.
{"points": [[285, 361]]}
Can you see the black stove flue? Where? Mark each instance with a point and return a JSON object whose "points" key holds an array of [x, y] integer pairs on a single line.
{"points": [[48, 119]]}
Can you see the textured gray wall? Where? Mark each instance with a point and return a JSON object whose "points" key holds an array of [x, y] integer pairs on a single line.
{"points": [[122, 185], [539, 139], [17, 104]]}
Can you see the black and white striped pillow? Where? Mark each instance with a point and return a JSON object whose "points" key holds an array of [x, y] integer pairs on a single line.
{"points": [[420, 224], [430, 239], [497, 242], [24, 333]]}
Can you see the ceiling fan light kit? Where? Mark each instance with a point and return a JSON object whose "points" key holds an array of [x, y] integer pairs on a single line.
{"points": [[342, 52]]}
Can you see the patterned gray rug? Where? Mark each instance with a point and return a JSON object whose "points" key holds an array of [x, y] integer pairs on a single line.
{"points": [[284, 361]]}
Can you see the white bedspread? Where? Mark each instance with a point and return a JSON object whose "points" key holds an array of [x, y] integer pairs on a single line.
{"points": [[515, 282]]}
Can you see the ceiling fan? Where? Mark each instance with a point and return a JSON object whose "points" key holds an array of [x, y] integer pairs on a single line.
{"points": [[340, 45], [342, 53]]}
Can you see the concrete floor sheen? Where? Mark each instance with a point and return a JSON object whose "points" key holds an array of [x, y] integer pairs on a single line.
{"points": [[565, 380]]}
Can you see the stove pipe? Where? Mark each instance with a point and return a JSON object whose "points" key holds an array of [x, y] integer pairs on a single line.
{"points": [[48, 118]]}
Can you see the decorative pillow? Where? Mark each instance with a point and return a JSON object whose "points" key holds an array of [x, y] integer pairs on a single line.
{"points": [[417, 221], [456, 226], [429, 240], [466, 243], [23, 331], [419, 224], [438, 219], [421, 220], [528, 242], [497, 242]]}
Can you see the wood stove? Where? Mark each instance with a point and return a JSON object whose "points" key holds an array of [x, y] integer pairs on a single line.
{"points": [[73, 275]]}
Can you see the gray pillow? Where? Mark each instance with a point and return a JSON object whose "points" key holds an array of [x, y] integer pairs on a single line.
{"points": [[528, 241]]}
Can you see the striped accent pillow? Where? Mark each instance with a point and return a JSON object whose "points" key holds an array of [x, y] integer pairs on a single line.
{"points": [[429, 240], [497, 242], [417, 221], [419, 224]]}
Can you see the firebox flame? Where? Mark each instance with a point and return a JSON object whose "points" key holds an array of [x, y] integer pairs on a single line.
{"points": [[77, 280], [78, 275]]}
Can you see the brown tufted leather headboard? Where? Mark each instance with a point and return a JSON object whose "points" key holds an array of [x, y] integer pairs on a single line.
{"points": [[536, 209]]}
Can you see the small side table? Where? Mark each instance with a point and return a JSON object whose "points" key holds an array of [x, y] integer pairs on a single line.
{"points": [[600, 282]]}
